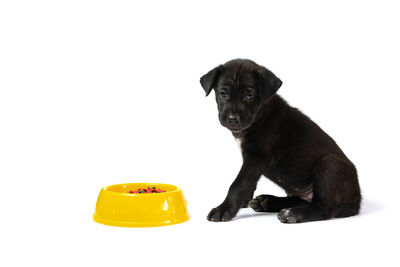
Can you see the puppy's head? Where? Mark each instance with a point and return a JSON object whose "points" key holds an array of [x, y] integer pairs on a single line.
{"points": [[242, 88]]}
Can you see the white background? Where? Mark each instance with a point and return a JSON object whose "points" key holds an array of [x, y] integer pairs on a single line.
{"points": [[95, 93]]}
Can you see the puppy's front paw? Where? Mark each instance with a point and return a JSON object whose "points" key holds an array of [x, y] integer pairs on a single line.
{"points": [[264, 203], [222, 213], [259, 203], [287, 216]]}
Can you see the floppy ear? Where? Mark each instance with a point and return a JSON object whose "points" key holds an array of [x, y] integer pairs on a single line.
{"points": [[209, 80], [269, 82]]}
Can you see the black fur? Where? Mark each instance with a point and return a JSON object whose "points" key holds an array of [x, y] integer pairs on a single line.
{"points": [[283, 144]]}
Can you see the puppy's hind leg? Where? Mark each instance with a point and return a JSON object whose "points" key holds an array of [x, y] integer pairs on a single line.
{"points": [[305, 213], [271, 203], [336, 192]]}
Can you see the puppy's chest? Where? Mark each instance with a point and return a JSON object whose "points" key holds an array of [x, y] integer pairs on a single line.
{"points": [[239, 142], [253, 149], [248, 148]]}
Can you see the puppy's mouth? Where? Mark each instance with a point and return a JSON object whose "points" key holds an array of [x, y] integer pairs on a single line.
{"points": [[238, 129]]}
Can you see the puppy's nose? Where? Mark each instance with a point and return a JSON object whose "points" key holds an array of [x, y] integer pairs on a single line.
{"points": [[233, 119]]}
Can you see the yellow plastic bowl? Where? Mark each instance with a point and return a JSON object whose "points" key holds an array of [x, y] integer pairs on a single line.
{"points": [[117, 207]]}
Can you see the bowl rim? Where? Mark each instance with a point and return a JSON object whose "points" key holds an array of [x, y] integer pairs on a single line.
{"points": [[177, 188]]}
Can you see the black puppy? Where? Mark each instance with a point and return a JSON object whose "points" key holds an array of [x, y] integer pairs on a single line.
{"points": [[283, 144]]}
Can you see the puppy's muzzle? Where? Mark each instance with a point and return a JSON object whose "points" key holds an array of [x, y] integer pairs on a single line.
{"points": [[233, 120]]}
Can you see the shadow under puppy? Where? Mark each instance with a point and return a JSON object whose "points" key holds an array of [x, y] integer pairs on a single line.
{"points": [[283, 144]]}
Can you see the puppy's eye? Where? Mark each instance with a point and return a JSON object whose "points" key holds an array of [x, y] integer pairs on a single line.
{"points": [[250, 95], [223, 94]]}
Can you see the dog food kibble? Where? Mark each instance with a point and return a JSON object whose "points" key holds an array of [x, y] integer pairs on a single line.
{"points": [[147, 191]]}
